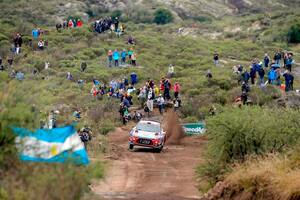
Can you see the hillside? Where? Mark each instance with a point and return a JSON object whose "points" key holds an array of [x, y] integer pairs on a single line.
{"points": [[52, 11], [238, 30]]}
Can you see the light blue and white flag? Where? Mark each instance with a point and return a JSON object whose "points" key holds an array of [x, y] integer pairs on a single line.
{"points": [[51, 145]]}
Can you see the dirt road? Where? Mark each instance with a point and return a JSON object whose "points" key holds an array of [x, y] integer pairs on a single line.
{"points": [[143, 174]]}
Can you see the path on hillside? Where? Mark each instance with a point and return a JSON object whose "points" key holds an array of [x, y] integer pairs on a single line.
{"points": [[143, 174]]}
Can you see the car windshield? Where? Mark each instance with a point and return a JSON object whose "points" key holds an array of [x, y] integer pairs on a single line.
{"points": [[148, 127]]}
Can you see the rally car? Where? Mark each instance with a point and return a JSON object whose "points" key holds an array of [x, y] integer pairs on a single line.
{"points": [[147, 134]]}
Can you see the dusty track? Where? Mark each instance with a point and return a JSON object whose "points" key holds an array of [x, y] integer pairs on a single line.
{"points": [[146, 175]]}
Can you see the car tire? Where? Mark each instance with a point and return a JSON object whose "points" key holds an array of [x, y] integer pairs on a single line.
{"points": [[131, 146], [159, 149]]}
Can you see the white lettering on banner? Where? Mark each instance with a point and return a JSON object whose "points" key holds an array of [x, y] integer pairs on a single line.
{"points": [[194, 130]]}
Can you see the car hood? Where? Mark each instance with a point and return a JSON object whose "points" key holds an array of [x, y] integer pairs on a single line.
{"points": [[146, 135]]}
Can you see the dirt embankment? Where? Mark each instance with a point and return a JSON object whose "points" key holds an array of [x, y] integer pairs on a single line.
{"points": [[144, 174]]}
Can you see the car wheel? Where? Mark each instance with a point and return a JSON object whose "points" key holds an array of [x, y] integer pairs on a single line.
{"points": [[131, 147], [159, 149]]}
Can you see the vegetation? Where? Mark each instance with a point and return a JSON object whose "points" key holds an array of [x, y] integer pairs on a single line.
{"points": [[239, 133], [294, 34], [162, 16], [236, 134]]}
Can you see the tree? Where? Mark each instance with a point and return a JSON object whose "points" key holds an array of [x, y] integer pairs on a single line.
{"points": [[294, 34], [163, 16]]}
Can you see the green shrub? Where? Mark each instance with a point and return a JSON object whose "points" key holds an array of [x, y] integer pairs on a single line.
{"points": [[163, 16], [116, 13], [238, 133], [294, 34]]}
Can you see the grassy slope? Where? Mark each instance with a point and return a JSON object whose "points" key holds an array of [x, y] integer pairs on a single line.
{"points": [[157, 47]]}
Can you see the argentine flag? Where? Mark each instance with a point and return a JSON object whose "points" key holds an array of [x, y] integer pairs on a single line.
{"points": [[51, 145]]}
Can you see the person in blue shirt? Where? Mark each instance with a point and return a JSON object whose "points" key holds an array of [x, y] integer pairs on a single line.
{"points": [[35, 33], [245, 76], [133, 78], [116, 57], [123, 55], [289, 62], [272, 76]]}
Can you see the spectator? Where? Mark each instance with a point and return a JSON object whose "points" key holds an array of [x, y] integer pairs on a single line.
{"points": [[130, 53], [10, 61], [266, 60], [110, 58], [261, 74], [65, 24], [116, 23], [252, 74], [209, 74], [289, 62], [116, 56], [134, 78], [176, 90], [79, 23], [35, 33], [171, 71], [130, 40], [289, 81], [69, 76], [277, 57], [41, 45], [83, 66], [47, 64], [161, 103], [150, 99], [123, 55], [133, 59], [216, 58], [70, 24]]}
